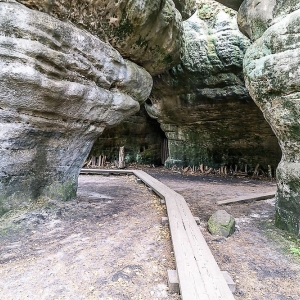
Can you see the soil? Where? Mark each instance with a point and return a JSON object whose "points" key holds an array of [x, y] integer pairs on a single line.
{"points": [[108, 242]]}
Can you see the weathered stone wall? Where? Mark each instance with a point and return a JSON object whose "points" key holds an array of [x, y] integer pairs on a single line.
{"points": [[272, 74], [203, 105], [60, 87], [147, 32]]}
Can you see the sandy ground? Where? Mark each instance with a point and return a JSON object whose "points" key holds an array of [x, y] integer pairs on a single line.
{"points": [[108, 242]]}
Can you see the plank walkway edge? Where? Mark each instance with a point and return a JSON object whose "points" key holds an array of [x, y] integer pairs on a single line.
{"points": [[200, 278], [253, 197]]}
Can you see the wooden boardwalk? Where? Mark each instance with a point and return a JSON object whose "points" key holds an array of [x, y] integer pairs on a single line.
{"points": [[248, 198], [199, 275]]}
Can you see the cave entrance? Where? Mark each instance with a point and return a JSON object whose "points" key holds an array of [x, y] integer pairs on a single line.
{"points": [[142, 137]]}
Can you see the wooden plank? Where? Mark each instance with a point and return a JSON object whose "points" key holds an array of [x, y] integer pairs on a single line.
{"points": [[252, 197], [199, 275], [214, 282], [190, 281], [186, 236], [105, 171]]}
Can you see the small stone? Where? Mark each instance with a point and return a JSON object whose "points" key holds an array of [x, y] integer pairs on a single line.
{"points": [[164, 221], [197, 220], [221, 223]]}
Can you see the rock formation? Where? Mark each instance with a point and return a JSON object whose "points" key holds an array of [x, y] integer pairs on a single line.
{"points": [[202, 104], [221, 223], [147, 32], [272, 74], [60, 87]]}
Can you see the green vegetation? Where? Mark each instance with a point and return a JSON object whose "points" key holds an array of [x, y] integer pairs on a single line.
{"points": [[205, 12], [208, 9], [295, 250], [286, 241]]}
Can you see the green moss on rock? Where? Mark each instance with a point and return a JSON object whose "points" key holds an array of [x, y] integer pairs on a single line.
{"points": [[221, 223]]}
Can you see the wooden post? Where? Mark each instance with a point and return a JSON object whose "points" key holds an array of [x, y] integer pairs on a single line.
{"points": [[121, 158], [209, 171], [89, 163], [269, 171], [201, 168], [93, 161], [256, 170]]}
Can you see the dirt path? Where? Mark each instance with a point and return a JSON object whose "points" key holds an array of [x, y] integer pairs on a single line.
{"points": [[108, 242], [257, 255]]}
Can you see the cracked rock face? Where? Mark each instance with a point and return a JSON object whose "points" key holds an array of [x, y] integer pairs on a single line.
{"points": [[272, 74], [203, 105], [148, 32], [60, 87], [256, 16]]}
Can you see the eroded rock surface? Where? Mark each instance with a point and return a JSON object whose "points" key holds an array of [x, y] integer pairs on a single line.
{"points": [[147, 32], [60, 87], [203, 105], [185, 7], [256, 16], [273, 78]]}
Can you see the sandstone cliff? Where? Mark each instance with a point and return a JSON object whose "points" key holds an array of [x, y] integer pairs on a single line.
{"points": [[146, 32], [203, 105], [60, 87], [272, 74]]}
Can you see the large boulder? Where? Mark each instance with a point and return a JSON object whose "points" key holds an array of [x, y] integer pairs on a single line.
{"points": [[60, 87], [221, 223], [146, 32], [272, 74], [203, 105], [255, 16]]}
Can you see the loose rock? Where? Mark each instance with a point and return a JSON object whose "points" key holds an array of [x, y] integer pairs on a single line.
{"points": [[221, 223]]}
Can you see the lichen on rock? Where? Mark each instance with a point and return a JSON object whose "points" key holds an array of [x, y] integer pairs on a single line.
{"points": [[221, 223], [203, 105], [272, 74], [255, 17]]}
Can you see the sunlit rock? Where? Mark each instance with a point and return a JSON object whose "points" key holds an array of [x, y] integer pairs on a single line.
{"points": [[60, 87], [272, 76]]}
